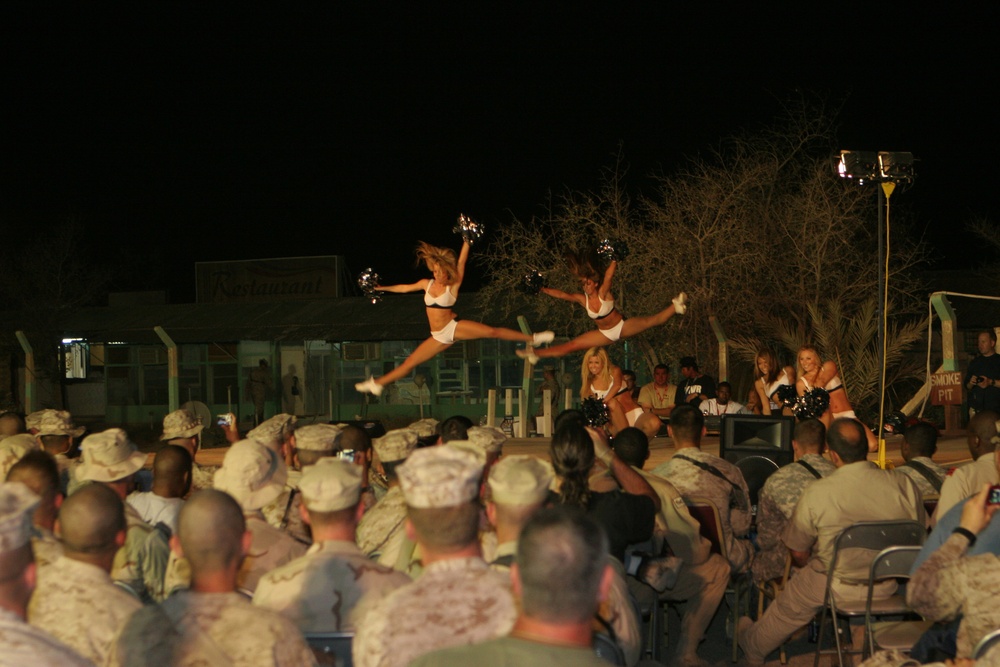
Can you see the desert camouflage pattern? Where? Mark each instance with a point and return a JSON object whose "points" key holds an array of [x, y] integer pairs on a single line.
{"points": [[26, 645], [926, 489], [775, 505], [271, 548], [202, 476], [457, 601], [78, 604], [381, 531], [46, 547], [194, 629], [126, 568], [693, 482], [950, 583], [320, 591]]}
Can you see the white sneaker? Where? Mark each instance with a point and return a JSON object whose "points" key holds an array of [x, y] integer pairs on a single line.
{"points": [[529, 354], [369, 386], [542, 337], [680, 303]]}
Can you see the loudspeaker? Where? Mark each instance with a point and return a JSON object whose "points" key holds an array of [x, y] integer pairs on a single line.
{"points": [[757, 445]]}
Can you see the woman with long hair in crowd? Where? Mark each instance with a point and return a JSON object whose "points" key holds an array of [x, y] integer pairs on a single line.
{"points": [[814, 372], [440, 295], [600, 306], [768, 377]]}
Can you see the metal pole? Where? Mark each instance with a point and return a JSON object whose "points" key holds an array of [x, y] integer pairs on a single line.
{"points": [[29, 372], [173, 381]]}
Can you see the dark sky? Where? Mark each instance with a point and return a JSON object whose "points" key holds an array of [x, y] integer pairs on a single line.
{"points": [[177, 132]]}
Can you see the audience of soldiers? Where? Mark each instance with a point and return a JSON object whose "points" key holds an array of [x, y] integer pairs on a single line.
{"points": [[236, 565]]}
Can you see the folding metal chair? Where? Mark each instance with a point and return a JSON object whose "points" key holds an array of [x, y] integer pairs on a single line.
{"points": [[986, 644], [891, 563], [871, 536], [710, 527], [331, 648]]}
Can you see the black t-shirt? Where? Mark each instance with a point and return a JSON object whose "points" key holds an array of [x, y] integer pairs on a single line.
{"points": [[699, 385], [989, 398], [627, 519]]}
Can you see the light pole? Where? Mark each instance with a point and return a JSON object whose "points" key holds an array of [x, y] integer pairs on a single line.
{"points": [[887, 169]]}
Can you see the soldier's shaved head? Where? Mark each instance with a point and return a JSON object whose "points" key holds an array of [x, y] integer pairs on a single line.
{"points": [[90, 520], [210, 529], [11, 423], [172, 472], [982, 433]]}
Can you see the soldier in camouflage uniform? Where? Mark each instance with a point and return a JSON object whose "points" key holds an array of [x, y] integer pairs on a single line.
{"points": [[320, 591], [38, 471], [112, 459], [183, 429], [76, 601], [254, 475], [57, 434], [310, 444], [697, 474], [210, 624], [12, 448], [381, 531], [21, 643], [919, 445], [781, 493], [857, 491], [458, 599], [951, 583]]}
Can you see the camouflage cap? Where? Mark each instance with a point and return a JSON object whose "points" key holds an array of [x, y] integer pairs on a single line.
{"points": [[12, 448], [108, 456], [34, 420], [274, 431], [57, 422], [439, 477], [330, 485], [252, 473], [520, 480], [317, 437], [17, 505], [395, 445], [470, 448], [424, 428], [490, 438], [181, 424]]}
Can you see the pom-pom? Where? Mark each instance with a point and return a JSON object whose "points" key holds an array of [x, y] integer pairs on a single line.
{"points": [[813, 403], [595, 412], [470, 230], [786, 395], [532, 283], [367, 281], [613, 251], [895, 423]]}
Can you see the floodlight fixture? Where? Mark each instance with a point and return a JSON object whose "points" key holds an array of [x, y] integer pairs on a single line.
{"points": [[896, 167], [860, 166]]}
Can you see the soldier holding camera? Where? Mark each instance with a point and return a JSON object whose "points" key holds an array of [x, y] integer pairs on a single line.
{"points": [[982, 380]]}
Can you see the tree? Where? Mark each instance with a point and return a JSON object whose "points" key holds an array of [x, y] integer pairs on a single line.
{"points": [[758, 232]]}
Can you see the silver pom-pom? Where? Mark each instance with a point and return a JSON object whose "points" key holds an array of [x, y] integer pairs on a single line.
{"points": [[813, 403], [595, 411], [470, 230], [532, 283], [613, 251], [367, 281]]}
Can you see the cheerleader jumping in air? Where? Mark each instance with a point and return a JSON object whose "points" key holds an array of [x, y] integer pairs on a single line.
{"points": [[440, 295], [600, 305]]}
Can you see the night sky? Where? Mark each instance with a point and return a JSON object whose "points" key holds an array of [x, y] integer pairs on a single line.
{"points": [[177, 132]]}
